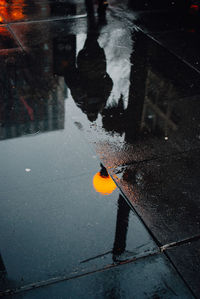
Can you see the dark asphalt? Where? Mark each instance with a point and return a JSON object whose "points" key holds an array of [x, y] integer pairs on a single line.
{"points": [[123, 91]]}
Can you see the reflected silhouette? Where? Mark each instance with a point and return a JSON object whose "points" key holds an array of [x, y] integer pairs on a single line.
{"points": [[88, 80]]}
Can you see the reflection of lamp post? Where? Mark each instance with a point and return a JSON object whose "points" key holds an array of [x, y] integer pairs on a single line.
{"points": [[121, 228], [2, 267], [103, 183]]}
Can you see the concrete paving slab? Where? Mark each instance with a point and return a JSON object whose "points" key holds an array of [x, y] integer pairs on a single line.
{"points": [[165, 192], [185, 44], [186, 259], [151, 277]]}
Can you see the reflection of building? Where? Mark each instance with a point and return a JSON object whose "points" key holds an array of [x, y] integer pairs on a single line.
{"points": [[31, 97], [157, 115], [32, 89], [158, 103], [11, 10], [18, 116]]}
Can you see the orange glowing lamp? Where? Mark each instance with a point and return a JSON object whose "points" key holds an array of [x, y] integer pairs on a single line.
{"points": [[103, 183]]}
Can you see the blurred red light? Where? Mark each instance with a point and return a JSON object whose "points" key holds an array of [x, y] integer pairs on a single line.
{"points": [[194, 8]]}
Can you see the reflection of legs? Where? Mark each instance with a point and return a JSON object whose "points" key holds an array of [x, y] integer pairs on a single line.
{"points": [[89, 8], [121, 226], [102, 8]]}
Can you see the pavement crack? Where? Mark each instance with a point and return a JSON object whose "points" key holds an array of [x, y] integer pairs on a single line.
{"points": [[132, 163], [179, 243], [95, 257]]}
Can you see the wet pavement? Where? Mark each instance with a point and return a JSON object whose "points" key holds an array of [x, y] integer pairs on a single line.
{"points": [[77, 97]]}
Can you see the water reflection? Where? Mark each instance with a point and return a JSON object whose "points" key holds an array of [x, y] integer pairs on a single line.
{"points": [[34, 101], [24, 109]]}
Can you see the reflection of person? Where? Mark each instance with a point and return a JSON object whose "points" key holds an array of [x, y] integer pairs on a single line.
{"points": [[89, 82]]}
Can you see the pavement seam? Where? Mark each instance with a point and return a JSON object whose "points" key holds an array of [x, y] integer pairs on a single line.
{"points": [[136, 213], [167, 48], [179, 243], [15, 37], [148, 34], [60, 279], [163, 248], [180, 274], [48, 20], [132, 163]]}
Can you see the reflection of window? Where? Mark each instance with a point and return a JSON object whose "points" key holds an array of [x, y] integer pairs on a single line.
{"points": [[158, 107], [11, 10]]}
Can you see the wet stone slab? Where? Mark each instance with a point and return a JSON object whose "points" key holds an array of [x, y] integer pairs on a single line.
{"points": [[186, 259], [151, 277], [53, 222], [54, 219], [184, 44], [165, 192], [160, 21]]}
